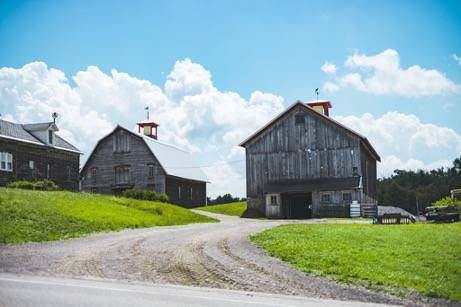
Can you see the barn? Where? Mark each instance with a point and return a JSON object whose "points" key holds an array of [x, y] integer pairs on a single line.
{"points": [[35, 152], [304, 164], [124, 159]]}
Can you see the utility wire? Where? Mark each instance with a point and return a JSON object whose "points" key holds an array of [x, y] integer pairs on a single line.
{"points": [[209, 165]]}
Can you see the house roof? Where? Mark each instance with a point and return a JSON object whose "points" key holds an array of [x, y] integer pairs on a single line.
{"points": [[316, 184], [362, 138], [19, 132], [175, 161]]}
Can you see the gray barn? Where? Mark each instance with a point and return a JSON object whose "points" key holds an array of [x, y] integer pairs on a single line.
{"points": [[124, 159], [36, 152], [305, 164]]}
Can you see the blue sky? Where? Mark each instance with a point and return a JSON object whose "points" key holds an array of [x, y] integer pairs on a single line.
{"points": [[266, 46]]}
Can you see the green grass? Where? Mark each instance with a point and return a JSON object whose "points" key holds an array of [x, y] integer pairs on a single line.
{"points": [[42, 216], [391, 258], [234, 209]]}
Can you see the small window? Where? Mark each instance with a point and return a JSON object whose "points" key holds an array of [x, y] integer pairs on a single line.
{"points": [[31, 164], [191, 192], [48, 171], [347, 196], [151, 170], [355, 171], [179, 192], [50, 136], [326, 198], [273, 200], [6, 161], [94, 172], [299, 119]]}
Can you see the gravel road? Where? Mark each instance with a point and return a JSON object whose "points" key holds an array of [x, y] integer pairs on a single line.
{"points": [[216, 255]]}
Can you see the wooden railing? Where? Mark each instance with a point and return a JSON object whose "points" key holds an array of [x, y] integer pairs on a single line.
{"points": [[369, 209]]}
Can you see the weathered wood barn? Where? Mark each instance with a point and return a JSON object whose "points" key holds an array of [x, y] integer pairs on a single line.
{"points": [[124, 159], [305, 164], [35, 151]]}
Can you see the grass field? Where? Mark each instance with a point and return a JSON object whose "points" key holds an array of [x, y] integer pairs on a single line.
{"points": [[234, 209], [392, 258], [42, 216]]}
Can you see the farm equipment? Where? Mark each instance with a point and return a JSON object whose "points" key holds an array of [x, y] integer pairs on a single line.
{"points": [[447, 214]]}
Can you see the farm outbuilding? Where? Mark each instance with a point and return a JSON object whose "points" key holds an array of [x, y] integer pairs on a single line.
{"points": [[305, 164], [124, 159]]}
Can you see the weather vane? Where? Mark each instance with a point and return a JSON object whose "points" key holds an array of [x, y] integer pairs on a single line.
{"points": [[54, 115], [317, 93]]}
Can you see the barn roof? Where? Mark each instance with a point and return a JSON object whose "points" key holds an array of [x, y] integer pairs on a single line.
{"points": [[316, 184], [20, 133], [175, 161], [362, 138]]}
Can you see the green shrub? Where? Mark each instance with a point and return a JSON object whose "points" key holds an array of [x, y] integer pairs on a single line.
{"points": [[22, 184], [145, 195], [446, 201], [42, 185]]}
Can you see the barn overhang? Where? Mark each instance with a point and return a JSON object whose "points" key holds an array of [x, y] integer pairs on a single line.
{"points": [[310, 185]]}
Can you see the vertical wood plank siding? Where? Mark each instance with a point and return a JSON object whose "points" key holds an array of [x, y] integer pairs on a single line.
{"points": [[105, 160], [315, 149], [138, 159]]}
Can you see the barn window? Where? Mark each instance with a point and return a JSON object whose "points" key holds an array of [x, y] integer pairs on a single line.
{"points": [[121, 141], [31, 164], [191, 192], [48, 171], [179, 192], [274, 200], [326, 198], [151, 170], [6, 161], [93, 173], [299, 119], [122, 175], [347, 196]]}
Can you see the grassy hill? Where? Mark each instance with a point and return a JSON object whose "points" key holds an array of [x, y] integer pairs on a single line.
{"points": [[234, 209], [42, 216], [393, 258]]}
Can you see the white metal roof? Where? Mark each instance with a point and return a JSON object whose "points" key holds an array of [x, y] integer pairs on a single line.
{"points": [[175, 161]]}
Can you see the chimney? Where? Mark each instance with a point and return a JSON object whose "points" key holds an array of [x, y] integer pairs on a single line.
{"points": [[149, 128], [320, 106]]}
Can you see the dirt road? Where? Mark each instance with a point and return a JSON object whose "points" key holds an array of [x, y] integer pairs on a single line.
{"points": [[216, 255]]}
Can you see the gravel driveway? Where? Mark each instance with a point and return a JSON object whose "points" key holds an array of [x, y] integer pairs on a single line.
{"points": [[215, 255]]}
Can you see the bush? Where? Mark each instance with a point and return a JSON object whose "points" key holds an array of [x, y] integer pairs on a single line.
{"points": [[446, 201], [145, 195], [41, 185]]}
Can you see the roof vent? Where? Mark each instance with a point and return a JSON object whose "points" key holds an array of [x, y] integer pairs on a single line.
{"points": [[320, 106]]}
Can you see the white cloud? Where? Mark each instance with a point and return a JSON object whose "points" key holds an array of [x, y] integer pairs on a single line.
{"points": [[328, 68], [382, 74], [331, 87], [192, 113], [404, 142], [456, 58]]}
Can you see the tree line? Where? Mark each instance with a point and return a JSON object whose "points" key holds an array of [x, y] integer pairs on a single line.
{"points": [[416, 190]]}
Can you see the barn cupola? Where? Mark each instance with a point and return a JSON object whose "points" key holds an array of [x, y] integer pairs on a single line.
{"points": [[320, 106], [149, 128]]}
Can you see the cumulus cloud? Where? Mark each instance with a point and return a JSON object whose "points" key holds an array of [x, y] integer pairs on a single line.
{"points": [[456, 58], [192, 113], [328, 68], [404, 142], [382, 74], [195, 115]]}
